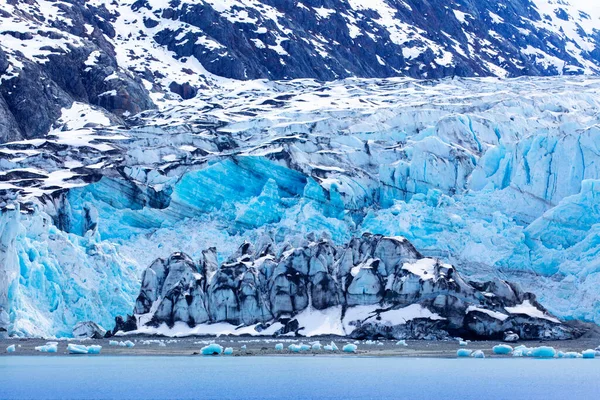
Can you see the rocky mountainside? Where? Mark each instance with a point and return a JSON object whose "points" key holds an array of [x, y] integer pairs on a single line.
{"points": [[372, 287], [127, 56]]}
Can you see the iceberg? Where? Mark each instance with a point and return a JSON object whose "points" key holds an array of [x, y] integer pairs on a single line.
{"points": [[502, 349], [542, 352], [77, 349], [350, 348], [294, 348], [279, 346], [228, 351], [401, 343], [212, 350], [316, 347], [94, 349], [588, 353], [333, 346], [478, 354], [463, 353], [11, 348], [50, 347]]}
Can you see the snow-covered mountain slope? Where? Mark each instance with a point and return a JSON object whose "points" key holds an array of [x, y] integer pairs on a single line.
{"points": [[126, 56], [500, 178]]}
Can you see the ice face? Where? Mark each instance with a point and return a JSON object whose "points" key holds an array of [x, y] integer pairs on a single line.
{"points": [[496, 184]]}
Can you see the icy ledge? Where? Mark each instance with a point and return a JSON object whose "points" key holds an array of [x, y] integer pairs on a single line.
{"points": [[374, 286]]}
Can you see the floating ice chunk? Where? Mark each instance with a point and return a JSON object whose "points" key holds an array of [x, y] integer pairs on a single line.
{"points": [[502, 349], [401, 343], [350, 348], [462, 343], [478, 354], [113, 343], [570, 354], [212, 349], [333, 346], [94, 349], [542, 352], [122, 344], [279, 346], [77, 349], [521, 351], [294, 348], [463, 353], [228, 351], [50, 347], [11, 349], [129, 343], [316, 346], [243, 347], [380, 344], [589, 353], [327, 347], [162, 344], [304, 347]]}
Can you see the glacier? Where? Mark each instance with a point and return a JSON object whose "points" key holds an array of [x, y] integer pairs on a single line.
{"points": [[500, 178]]}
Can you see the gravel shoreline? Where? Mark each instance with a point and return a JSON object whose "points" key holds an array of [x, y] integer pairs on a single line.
{"points": [[265, 346]]}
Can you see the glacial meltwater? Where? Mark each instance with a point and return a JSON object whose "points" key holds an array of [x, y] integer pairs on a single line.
{"points": [[290, 378]]}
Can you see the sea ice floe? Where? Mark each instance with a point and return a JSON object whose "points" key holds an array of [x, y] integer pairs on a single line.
{"points": [[212, 349], [502, 349], [350, 348]]}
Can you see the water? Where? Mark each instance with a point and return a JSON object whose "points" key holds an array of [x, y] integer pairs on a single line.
{"points": [[293, 378]]}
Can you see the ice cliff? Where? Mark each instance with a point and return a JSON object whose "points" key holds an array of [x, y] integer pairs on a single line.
{"points": [[499, 178]]}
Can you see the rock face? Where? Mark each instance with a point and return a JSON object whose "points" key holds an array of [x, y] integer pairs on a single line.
{"points": [[88, 329], [381, 287]]}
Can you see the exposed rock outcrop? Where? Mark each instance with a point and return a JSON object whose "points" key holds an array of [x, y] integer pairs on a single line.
{"points": [[382, 287]]}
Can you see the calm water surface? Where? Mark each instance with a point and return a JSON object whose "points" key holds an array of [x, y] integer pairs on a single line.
{"points": [[292, 378]]}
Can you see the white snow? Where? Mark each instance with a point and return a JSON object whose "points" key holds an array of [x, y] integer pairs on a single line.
{"points": [[529, 309]]}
